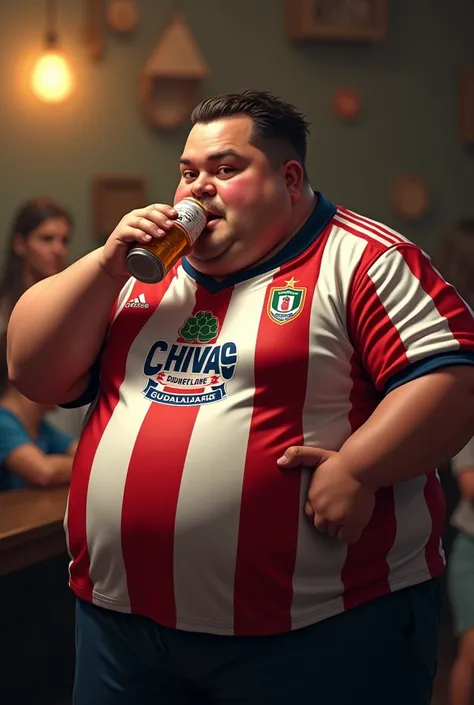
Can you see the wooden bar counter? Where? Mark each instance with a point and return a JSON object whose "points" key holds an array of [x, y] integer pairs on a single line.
{"points": [[31, 527]]}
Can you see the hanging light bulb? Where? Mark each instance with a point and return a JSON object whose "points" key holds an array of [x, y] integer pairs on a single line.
{"points": [[51, 79]]}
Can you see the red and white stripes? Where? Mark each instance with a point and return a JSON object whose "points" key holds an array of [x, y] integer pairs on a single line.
{"points": [[180, 513]]}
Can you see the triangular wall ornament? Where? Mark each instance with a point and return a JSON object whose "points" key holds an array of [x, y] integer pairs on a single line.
{"points": [[171, 78]]}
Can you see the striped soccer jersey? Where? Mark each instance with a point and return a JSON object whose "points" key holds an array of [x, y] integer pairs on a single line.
{"points": [[177, 508]]}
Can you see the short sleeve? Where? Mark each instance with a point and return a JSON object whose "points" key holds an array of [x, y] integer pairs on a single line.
{"points": [[12, 434], [56, 441], [405, 320]]}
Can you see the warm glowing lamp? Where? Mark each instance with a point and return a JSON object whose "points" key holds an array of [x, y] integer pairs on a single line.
{"points": [[51, 79]]}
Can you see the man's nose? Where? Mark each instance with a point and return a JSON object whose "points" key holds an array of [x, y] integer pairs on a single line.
{"points": [[203, 186]]}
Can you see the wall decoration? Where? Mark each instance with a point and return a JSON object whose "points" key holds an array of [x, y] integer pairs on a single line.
{"points": [[171, 79], [409, 197], [346, 104], [114, 196], [122, 15], [346, 20], [466, 106]]}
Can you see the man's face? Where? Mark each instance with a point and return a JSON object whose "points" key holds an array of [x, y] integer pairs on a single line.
{"points": [[250, 201]]}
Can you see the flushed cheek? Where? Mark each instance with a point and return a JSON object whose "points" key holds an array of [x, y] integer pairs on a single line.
{"points": [[241, 193], [183, 191]]}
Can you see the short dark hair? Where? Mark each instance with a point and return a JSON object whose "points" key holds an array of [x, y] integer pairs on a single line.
{"points": [[273, 119]]}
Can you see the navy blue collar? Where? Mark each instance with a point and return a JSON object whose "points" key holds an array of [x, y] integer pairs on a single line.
{"points": [[318, 220]]}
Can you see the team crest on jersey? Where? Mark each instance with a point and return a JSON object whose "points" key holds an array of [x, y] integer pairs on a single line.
{"points": [[193, 372], [286, 304]]}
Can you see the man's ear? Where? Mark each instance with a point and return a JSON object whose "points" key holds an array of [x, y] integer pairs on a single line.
{"points": [[293, 173]]}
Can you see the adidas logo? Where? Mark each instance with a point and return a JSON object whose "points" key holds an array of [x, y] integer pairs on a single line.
{"points": [[138, 302]]}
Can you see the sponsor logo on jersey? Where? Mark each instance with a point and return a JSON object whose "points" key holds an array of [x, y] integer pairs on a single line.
{"points": [[193, 372], [286, 304]]}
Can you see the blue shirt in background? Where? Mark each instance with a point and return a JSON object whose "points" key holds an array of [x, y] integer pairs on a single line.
{"points": [[13, 434]]}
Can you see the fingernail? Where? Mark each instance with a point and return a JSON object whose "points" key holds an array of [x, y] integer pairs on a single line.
{"points": [[147, 237], [282, 460], [172, 211], [160, 232], [169, 222]]}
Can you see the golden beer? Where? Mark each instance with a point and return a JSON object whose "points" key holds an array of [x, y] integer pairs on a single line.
{"points": [[150, 263]]}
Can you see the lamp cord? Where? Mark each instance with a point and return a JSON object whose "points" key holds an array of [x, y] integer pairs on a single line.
{"points": [[51, 22]]}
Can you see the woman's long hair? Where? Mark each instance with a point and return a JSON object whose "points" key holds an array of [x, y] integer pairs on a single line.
{"points": [[455, 259], [28, 217]]}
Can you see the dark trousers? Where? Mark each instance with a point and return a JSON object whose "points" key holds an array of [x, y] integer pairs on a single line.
{"points": [[382, 653]]}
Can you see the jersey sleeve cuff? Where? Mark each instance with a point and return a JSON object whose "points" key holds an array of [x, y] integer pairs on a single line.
{"points": [[429, 364]]}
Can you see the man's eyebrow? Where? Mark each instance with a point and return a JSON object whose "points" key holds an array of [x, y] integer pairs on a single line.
{"points": [[215, 157]]}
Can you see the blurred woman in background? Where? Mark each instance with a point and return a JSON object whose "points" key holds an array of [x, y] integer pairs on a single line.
{"points": [[456, 263], [38, 248]]}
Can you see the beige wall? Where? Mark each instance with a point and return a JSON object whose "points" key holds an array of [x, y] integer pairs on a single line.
{"points": [[409, 85]]}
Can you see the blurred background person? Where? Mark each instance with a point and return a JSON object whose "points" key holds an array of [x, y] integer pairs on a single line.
{"points": [[32, 451], [461, 580], [455, 260], [38, 248]]}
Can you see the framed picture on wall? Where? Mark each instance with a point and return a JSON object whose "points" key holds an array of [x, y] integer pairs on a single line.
{"points": [[337, 20], [112, 197]]}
